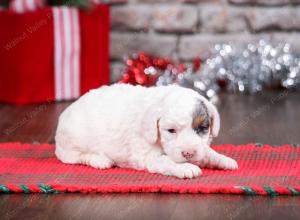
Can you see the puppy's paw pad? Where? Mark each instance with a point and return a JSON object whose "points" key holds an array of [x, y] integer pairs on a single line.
{"points": [[187, 170]]}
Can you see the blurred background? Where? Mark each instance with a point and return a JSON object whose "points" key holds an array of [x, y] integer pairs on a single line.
{"points": [[183, 29], [241, 45]]}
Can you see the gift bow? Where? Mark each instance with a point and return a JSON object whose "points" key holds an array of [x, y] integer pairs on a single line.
{"points": [[66, 46]]}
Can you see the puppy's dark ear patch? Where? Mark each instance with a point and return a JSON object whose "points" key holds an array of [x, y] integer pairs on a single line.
{"points": [[198, 121]]}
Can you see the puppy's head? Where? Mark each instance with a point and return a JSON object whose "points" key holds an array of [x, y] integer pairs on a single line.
{"points": [[183, 123]]}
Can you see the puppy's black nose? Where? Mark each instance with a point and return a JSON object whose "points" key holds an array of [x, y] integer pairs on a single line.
{"points": [[188, 154]]}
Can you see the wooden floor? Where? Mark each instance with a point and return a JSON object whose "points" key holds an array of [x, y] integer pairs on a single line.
{"points": [[272, 118]]}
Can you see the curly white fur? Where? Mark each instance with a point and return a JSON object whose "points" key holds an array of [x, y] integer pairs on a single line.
{"points": [[141, 128]]}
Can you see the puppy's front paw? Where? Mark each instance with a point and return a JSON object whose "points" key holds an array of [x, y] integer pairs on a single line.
{"points": [[186, 170], [229, 164]]}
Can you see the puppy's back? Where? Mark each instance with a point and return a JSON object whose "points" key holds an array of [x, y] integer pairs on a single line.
{"points": [[115, 109]]}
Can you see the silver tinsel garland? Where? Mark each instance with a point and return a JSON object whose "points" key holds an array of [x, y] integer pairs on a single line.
{"points": [[246, 68]]}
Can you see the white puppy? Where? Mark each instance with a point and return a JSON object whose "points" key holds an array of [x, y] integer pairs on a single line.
{"points": [[163, 130]]}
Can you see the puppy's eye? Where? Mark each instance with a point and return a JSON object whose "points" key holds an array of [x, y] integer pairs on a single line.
{"points": [[201, 129], [172, 131]]}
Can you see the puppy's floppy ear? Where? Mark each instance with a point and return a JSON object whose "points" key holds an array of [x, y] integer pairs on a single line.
{"points": [[149, 124], [214, 117]]}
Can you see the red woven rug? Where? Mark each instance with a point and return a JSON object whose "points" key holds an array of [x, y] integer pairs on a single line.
{"points": [[263, 170]]}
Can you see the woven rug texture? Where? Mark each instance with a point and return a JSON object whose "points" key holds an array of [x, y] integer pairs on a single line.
{"points": [[263, 170]]}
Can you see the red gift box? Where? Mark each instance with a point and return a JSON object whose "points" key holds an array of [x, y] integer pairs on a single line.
{"points": [[29, 72]]}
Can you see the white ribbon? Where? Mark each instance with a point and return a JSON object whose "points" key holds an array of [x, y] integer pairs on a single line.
{"points": [[66, 53]]}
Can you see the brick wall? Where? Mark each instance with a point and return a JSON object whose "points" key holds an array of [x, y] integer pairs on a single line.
{"points": [[183, 29]]}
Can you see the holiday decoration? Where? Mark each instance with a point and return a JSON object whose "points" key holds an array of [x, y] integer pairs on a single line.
{"points": [[146, 70], [53, 53], [249, 68], [245, 68]]}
